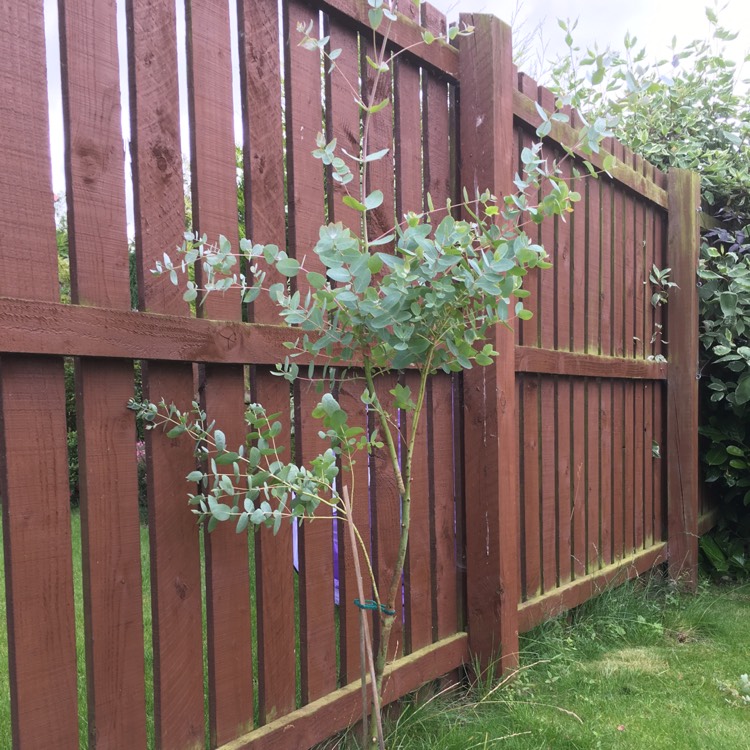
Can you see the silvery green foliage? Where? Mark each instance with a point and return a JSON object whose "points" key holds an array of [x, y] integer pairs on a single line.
{"points": [[253, 485]]}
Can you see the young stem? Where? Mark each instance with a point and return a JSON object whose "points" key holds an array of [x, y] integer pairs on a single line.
{"points": [[404, 483]]}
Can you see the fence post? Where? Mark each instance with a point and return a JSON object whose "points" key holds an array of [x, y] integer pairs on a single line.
{"points": [[683, 242], [490, 438]]}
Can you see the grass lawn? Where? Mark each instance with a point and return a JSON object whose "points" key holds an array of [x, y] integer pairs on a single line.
{"points": [[640, 668]]}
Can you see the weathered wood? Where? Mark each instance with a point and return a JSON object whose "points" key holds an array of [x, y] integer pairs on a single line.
{"points": [[565, 489], [99, 274], [443, 505], [491, 464], [275, 609], [547, 471], [317, 627], [316, 721], [579, 489], [551, 291], [579, 233], [406, 32], [417, 573], [531, 513], [536, 611], [682, 387], [159, 203], [605, 476], [265, 222], [33, 449], [593, 469], [263, 143], [385, 505], [357, 481], [524, 110], [529, 330], [222, 387], [531, 359]]}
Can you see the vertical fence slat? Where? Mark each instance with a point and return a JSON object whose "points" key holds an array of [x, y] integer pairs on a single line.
{"points": [[605, 476], [563, 403], [36, 517], [531, 507], [436, 129], [618, 470], [274, 575], [547, 468], [682, 386], [579, 489], [357, 482], [307, 212], [444, 587], [546, 303], [417, 583], [317, 629], [265, 220], [386, 515], [159, 224], [594, 496], [214, 170], [110, 533], [529, 329], [491, 464]]}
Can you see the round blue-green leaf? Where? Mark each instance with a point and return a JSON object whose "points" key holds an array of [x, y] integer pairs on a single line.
{"points": [[288, 266]]}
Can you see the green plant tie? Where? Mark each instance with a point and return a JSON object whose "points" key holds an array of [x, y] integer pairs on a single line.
{"points": [[372, 604]]}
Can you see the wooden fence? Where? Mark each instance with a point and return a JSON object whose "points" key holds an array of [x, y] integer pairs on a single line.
{"points": [[538, 481]]}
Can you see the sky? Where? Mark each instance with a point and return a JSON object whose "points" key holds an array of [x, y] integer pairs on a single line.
{"points": [[602, 22]]}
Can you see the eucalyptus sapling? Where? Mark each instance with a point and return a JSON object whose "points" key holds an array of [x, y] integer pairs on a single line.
{"points": [[427, 305]]}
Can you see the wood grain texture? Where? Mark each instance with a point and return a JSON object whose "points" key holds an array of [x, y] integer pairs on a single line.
{"points": [[606, 471], [556, 246], [531, 359], [564, 477], [531, 512], [491, 473], [682, 387], [159, 223], [316, 721], [446, 599], [417, 574], [317, 628], [221, 387], [304, 120], [110, 534], [536, 611], [579, 488], [385, 504], [344, 119], [406, 32], [548, 494], [593, 468], [263, 144], [623, 173], [35, 510], [265, 221], [378, 175], [529, 329], [356, 478], [275, 608]]}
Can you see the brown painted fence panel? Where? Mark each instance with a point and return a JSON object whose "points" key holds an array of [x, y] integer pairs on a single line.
{"points": [[33, 455], [110, 535], [537, 478]]}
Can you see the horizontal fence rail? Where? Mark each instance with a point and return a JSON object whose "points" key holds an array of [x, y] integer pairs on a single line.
{"points": [[565, 466]]}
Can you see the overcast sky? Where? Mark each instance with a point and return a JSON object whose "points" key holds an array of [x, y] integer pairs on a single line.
{"points": [[605, 22]]}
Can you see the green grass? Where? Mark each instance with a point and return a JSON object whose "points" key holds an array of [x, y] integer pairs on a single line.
{"points": [[638, 668]]}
